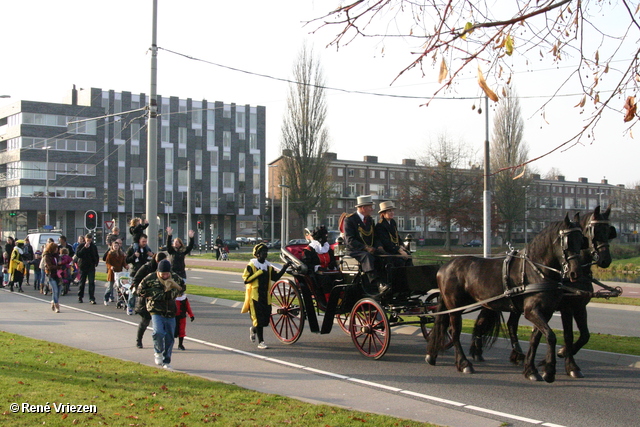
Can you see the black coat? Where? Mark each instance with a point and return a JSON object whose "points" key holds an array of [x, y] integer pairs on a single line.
{"points": [[178, 265], [88, 258], [145, 256], [357, 234], [387, 236]]}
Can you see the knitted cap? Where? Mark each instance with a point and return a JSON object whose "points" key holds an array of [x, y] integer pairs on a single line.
{"points": [[257, 248], [164, 266]]}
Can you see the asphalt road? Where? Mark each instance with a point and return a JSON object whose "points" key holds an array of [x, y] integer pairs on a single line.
{"points": [[608, 396]]}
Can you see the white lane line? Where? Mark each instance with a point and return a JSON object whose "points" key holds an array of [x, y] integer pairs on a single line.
{"points": [[329, 374], [194, 277], [504, 414], [236, 282]]}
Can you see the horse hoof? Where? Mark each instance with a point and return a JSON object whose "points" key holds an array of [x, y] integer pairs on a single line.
{"points": [[562, 352], [549, 377], [534, 377], [576, 374], [431, 360], [468, 370]]}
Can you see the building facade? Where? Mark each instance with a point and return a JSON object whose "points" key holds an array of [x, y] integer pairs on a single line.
{"points": [[214, 150], [547, 200]]}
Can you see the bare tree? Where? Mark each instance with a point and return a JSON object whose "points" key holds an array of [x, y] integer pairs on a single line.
{"points": [[508, 150], [445, 191], [553, 173], [305, 138], [500, 38]]}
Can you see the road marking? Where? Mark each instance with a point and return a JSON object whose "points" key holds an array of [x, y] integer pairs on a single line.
{"points": [[233, 281], [320, 372], [195, 277]]}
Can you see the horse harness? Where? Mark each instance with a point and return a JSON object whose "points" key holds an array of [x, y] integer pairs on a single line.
{"points": [[590, 233]]}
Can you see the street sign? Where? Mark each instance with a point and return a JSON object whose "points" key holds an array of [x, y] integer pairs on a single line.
{"points": [[48, 227], [108, 225]]}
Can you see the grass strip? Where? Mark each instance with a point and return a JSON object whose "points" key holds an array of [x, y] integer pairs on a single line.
{"points": [[131, 394]]}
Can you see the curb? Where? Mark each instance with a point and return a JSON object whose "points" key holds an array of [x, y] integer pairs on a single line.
{"points": [[595, 356]]}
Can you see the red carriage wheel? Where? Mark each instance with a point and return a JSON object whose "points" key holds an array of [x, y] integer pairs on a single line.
{"points": [[369, 328], [287, 311], [343, 321]]}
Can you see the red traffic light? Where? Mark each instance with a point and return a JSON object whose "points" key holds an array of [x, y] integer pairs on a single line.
{"points": [[90, 220]]}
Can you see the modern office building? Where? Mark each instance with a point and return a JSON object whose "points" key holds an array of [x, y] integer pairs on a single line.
{"points": [[214, 150]]}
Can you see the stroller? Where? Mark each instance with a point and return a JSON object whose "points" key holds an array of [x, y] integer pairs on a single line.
{"points": [[224, 253], [121, 289]]}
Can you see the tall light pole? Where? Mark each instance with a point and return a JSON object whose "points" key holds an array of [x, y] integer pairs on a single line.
{"points": [[46, 188], [526, 214], [152, 137], [284, 232], [487, 190]]}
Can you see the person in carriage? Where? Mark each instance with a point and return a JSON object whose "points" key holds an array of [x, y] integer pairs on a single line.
{"points": [[387, 236], [319, 258], [359, 231]]}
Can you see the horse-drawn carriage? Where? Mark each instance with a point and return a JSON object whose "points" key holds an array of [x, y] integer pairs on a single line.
{"points": [[366, 318], [554, 267]]}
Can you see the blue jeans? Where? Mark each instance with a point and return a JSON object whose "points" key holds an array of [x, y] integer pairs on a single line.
{"points": [[131, 300], [55, 289], [37, 279], [108, 293], [163, 330]]}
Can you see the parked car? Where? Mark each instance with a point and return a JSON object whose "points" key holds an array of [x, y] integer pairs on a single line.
{"points": [[274, 245], [473, 244], [37, 240], [242, 240], [232, 245], [298, 242]]}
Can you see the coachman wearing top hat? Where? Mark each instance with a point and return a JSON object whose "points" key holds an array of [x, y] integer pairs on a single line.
{"points": [[387, 236], [360, 241]]}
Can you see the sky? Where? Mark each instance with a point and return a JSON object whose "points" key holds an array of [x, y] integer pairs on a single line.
{"points": [[50, 46]]}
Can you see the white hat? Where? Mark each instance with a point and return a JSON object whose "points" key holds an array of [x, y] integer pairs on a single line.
{"points": [[364, 201], [385, 206]]}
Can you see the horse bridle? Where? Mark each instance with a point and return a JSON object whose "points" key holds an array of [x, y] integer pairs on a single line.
{"points": [[590, 234], [563, 235]]}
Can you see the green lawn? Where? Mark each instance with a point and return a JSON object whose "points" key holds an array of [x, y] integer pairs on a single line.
{"points": [[130, 394]]}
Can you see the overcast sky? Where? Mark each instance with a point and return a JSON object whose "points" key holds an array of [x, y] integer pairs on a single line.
{"points": [[49, 46]]}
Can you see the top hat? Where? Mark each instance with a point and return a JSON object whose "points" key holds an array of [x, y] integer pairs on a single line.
{"points": [[364, 201], [385, 206]]}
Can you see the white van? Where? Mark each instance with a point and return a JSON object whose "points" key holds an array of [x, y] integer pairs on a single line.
{"points": [[38, 240]]}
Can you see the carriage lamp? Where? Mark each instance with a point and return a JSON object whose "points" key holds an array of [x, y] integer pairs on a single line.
{"points": [[339, 249], [408, 243]]}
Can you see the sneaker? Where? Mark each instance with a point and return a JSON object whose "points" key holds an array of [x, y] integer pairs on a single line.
{"points": [[106, 302], [92, 302], [252, 335], [167, 366], [139, 344], [129, 311], [181, 347], [158, 358], [262, 345], [79, 300]]}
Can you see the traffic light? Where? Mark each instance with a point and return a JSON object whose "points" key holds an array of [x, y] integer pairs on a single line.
{"points": [[199, 225], [90, 220], [12, 214]]}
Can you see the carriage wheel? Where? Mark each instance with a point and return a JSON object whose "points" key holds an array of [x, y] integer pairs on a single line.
{"points": [[432, 302], [369, 328], [343, 322], [287, 311]]}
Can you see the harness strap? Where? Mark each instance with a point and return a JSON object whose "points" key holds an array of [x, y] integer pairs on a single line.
{"points": [[520, 290]]}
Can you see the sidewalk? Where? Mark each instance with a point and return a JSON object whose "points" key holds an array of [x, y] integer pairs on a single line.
{"points": [[29, 316]]}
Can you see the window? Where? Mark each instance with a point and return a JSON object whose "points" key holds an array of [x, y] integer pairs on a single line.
{"points": [[168, 198], [240, 120], [340, 172], [400, 220], [198, 199], [226, 112], [256, 181], [196, 115], [211, 119], [183, 178], [361, 173], [253, 121], [256, 161], [137, 175], [253, 141], [382, 175], [213, 202], [392, 175], [214, 159], [211, 140], [165, 134], [350, 173], [198, 164], [182, 135], [241, 160], [226, 139], [228, 180], [372, 173]]}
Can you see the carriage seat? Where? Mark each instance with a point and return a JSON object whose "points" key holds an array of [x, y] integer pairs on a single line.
{"points": [[348, 263]]}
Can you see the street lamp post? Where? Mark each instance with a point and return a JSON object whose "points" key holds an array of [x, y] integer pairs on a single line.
{"points": [[284, 229], [46, 188]]}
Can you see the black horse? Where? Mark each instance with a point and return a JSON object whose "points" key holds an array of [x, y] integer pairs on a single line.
{"points": [[528, 283], [573, 306]]}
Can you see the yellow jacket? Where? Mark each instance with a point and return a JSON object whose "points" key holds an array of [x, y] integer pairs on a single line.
{"points": [[250, 277], [15, 263]]}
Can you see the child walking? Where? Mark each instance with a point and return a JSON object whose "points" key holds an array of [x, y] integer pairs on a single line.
{"points": [[257, 277], [183, 309], [37, 271]]}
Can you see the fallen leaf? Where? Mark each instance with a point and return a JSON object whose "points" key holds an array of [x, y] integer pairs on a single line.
{"points": [[485, 87]]}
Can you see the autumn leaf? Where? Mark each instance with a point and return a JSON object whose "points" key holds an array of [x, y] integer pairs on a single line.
{"points": [[509, 45], [630, 106], [524, 169], [443, 71], [485, 87], [582, 102], [467, 30], [64, 416], [597, 57]]}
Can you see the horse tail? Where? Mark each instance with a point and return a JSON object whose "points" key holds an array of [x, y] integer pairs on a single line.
{"points": [[438, 338], [487, 328]]}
